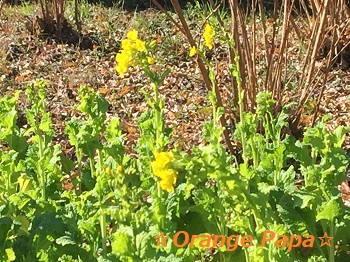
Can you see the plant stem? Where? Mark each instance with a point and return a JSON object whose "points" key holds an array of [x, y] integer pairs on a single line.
{"points": [[158, 124], [255, 155], [103, 232], [102, 214], [79, 159], [331, 248], [40, 170]]}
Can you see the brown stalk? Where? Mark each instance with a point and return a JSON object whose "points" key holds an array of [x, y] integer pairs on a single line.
{"points": [[318, 36], [330, 15], [240, 51], [201, 65], [276, 84], [235, 34], [55, 6], [231, 53], [246, 53], [268, 51], [270, 70], [253, 70], [42, 6], [296, 28], [335, 39]]}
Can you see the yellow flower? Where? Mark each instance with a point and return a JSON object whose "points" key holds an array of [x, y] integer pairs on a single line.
{"points": [[140, 45], [132, 35], [107, 170], [168, 179], [162, 161], [124, 60], [127, 44], [208, 35], [167, 185], [168, 175], [119, 168], [151, 60], [193, 51], [121, 70], [161, 168], [129, 53]]}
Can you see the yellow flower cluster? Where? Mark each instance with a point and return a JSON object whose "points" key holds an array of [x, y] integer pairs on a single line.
{"points": [[131, 46], [161, 168], [193, 51], [208, 36]]}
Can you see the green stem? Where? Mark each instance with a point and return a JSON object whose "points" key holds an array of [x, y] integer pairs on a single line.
{"points": [[157, 106], [331, 248], [157, 109], [103, 226], [8, 180], [159, 195], [41, 172], [246, 254], [92, 164], [102, 214], [159, 191], [79, 159], [159, 126], [241, 108], [255, 155]]}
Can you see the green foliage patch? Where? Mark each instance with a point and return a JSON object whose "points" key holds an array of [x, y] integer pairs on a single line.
{"points": [[117, 207]]}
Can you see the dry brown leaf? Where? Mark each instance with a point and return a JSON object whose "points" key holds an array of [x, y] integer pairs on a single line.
{"points": [[103, 90]]}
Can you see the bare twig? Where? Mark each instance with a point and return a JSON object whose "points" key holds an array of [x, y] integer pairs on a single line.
{"points": [[233, 81]]}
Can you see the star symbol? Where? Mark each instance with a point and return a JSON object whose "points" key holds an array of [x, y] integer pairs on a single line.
{"points": [[324, 242], [161, 239]]}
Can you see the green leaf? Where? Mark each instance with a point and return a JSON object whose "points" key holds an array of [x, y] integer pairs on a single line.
{"points": [[294, 218], [341, 228], [330, 210], [5, 227], [122, 243], [143, 245], [45, 123], [338, 136], [24, 182], [113, 131], [65, 240], [67, 164], [10, 254]]}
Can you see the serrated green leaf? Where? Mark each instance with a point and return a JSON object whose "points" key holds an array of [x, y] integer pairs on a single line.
{"points": [[123, 241], [329, 211]]}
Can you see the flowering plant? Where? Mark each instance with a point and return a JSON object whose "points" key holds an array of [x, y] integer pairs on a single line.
{"points": [[134, 51], [208, 36]]}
